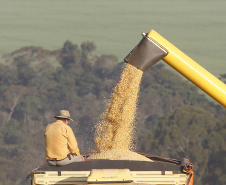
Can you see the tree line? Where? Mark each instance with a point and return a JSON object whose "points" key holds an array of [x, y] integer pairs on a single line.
{"points": [[173, 118]]}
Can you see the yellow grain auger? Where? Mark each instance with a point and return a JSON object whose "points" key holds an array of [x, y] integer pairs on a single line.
{"points": [[153, 47]]}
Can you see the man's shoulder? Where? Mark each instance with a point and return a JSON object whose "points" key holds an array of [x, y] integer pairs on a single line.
{"points": [[67, 126], [52, 123], [59, 124]]}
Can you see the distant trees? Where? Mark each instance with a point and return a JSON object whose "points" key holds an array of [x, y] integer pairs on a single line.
{"points": [[70, 55], [187, 132], [13, 94], [223, 77]]}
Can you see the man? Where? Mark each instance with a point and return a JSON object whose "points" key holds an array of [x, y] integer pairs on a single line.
{"points": [[60, 142]]}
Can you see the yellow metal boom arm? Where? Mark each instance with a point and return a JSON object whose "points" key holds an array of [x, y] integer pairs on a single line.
{"points": [[187, 67]]}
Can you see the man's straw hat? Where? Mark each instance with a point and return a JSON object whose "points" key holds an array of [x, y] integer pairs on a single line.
{"points": [[64, 114]]}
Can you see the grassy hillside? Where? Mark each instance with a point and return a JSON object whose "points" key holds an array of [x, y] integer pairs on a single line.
{"points": [[196, 27]]}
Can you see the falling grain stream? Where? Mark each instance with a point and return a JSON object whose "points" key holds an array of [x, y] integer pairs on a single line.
{"points": [[115, 131]]}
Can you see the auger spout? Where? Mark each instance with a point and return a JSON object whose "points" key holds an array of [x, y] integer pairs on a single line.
{"points": [[145, 54]]}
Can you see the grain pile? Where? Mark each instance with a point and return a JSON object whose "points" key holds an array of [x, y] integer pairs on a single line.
{"points": [[119, 154], [114, 134]]}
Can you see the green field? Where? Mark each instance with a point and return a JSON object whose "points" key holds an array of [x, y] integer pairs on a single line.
{"points": [[197, 27]]}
